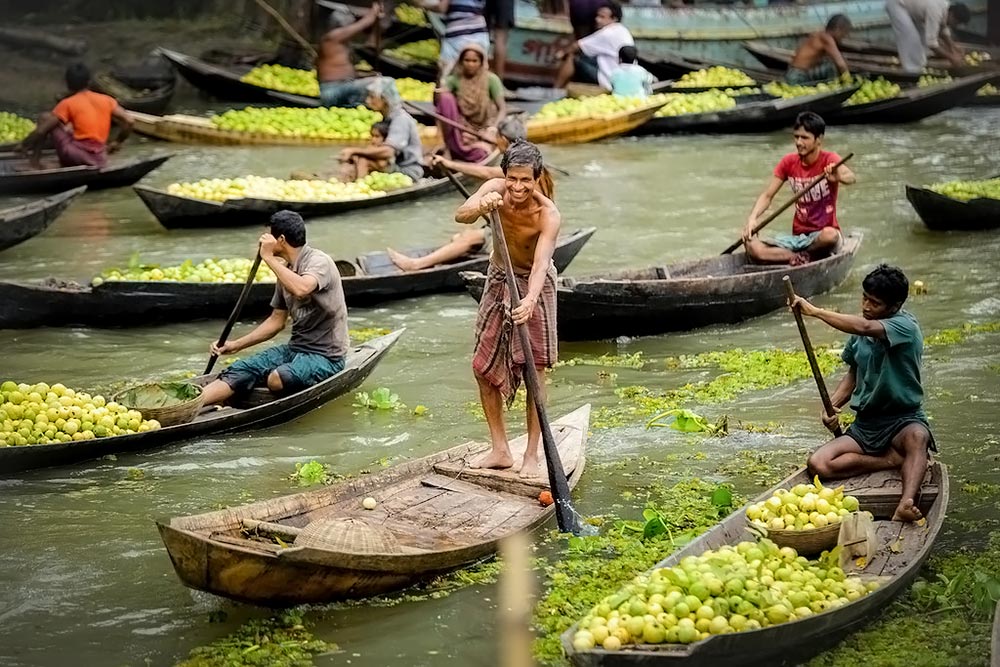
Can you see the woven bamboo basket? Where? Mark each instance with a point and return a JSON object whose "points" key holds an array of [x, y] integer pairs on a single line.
{"points": [[585, 130], [807, 541], [169, 415], [184, 129], [348, 535]]}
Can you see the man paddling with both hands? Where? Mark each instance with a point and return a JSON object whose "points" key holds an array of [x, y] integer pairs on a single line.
{"points": [[530, 224], [883, 387], [309, 290]]}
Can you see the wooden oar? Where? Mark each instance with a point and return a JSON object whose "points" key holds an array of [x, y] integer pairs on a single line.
{"points": [[565, 515], [235, 315], [811, 355], [303, 42], [781, 209], [474, 132], [464, 191]]}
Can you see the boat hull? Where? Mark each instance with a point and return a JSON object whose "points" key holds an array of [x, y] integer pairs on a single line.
{"points": [[942, 213], [20, 223], [57, 180]]}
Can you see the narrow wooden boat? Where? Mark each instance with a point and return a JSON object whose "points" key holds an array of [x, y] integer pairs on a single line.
{"points": [[943, 213], [674, 66], [748, 116], [865, 48], [370, 279], [586, 130], [913, 104], [434, 515], [154, 100], [20, 223], [15, 180], [259, 409], [218, 81], [396, 67], [176, 211], [901, 550], [187, 129], [723, 289]]}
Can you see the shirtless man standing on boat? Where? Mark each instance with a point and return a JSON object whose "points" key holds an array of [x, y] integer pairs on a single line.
{"points": [[818, 57], [531, 225], [883, 386], [338, 84], [815, 230]]}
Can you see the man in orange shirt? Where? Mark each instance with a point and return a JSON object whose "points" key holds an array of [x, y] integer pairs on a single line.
{"points": [[79, 125]]}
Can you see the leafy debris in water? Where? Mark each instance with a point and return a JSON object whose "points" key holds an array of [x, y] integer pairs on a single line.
{"points": [[281, 641], [380, 399], [607, 360]]}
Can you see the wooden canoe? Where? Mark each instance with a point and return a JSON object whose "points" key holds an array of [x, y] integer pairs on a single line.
{"points": [[218, 81], [398, 68], [59, 179], [943, 213], [260, 409], [187, 129], [913, 104], [443, 515], [20, 223], [901, 551], [858, 47], [177, 211], [120, 304], [154, 100], [749, 116], [674, 66], [585, 130], [722, 289]]}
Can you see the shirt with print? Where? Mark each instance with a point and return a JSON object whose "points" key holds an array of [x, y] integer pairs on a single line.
{"points": [[319, 320], [604, 46], [631, 80], [887, 370], [817, 209], [89, 113], [404, 138]]}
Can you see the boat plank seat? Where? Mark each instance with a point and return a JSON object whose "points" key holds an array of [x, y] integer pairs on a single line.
{"points": [[880, 493]]}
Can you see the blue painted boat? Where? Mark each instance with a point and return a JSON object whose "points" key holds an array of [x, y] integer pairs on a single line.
{"points": [[699, 31]]}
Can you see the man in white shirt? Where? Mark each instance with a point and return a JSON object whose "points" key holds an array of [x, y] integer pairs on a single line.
{"points": [[922, 25], [596, 55]]}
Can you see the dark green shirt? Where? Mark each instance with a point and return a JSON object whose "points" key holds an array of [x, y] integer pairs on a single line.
{"points": [[887, 370]]}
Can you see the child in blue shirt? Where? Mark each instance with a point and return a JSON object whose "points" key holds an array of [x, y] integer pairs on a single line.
{"points": [[630, 79]]}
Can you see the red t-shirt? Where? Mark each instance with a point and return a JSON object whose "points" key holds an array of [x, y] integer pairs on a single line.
{"points": [[818, 208]]}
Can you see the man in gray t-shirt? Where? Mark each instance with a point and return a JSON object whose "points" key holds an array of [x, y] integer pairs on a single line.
{"points": [[309, 290]]}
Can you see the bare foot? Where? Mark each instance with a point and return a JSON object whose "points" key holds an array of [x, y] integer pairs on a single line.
{"points": [[402, 261], [494, 459], [530, 469], [907, 512], [303, 175]]}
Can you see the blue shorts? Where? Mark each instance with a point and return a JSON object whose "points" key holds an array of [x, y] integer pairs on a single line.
{"points": [[297, 370], [798, 242], [343, 93]]}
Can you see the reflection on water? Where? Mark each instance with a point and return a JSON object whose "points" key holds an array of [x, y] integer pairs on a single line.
{"points": [[83, 576]]}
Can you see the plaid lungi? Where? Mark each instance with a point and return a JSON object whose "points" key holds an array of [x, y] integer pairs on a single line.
{"points": [[498, 356]]}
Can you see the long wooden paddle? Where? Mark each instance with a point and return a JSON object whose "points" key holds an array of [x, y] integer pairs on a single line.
{"points": [[235, 315], [454, 181], [824, 395], [303, 42], [781, 209], [565, 515]]}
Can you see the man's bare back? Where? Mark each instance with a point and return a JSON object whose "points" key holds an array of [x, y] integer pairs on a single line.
{"points": [[813, 50], [334, 60]]}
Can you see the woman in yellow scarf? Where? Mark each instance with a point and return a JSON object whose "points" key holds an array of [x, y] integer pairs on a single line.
{"points": [[473, 96]]}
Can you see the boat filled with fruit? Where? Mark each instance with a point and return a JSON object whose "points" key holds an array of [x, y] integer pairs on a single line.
{"points": [[737, 599], [13, 129], [416, 59], [34, 433], [585, 119], [250, 200], [958, 205]]}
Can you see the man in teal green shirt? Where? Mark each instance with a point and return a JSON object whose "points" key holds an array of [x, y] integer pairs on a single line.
{"points": [[883, 386]]}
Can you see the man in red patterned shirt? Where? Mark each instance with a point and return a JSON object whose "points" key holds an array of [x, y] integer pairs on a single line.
{"points": [[815, 231]]}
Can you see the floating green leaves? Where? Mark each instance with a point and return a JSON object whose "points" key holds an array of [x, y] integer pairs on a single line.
{"points": [[363, 335], [607, 360], [281, 641], [380, 399], [310, 474], [687, 421], [960, 334]]}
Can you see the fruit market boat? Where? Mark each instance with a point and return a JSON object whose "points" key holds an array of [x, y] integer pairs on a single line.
{"points": [[866, 48], [913, 104], [943, 213], [370, 279], [187, 129], [224, 82], [20, 223], [697, 31], [15, 180], [154, 100], [432, 515], [674, 66], [398, 68], [177, 211], [584, 130], [717, 290], [756, 116], [260, 409], [901, 550]]}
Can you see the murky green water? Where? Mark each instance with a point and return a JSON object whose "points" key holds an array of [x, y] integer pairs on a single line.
{"points": [[84, 579]]}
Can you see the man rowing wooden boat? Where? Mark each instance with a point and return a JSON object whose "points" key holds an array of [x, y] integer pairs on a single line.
{"points": [[338, 80], [309, 290], [530, 225], [477, 240], [883, 386], [79, 125], [815, 230], [818, 57]]}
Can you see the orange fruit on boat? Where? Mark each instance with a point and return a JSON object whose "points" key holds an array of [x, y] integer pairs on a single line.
{"points": [[545, 498]]}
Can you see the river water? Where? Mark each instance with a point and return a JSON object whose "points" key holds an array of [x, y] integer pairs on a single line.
{"points": [[84, 579]]}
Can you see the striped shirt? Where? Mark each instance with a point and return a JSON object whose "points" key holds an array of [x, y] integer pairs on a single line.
{"points": [[465, 17]]}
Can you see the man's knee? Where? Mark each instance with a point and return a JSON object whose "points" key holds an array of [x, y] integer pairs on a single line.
{"points": [[914, 439], [755, 249], [828, 237], [818, 464], [274, 383]]}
